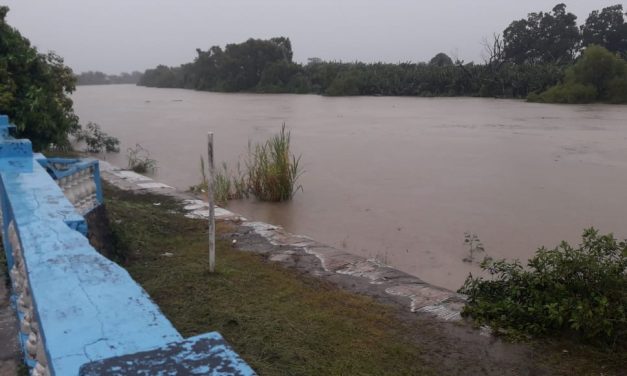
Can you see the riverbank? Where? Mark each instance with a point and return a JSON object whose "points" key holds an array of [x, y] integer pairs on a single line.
{"points": [[288, 310]]}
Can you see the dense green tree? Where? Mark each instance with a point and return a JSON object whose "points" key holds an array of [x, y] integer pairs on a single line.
{"points": [[441, 60], [162, 76], [607, 28], [34, 90], [599, 75], [239, 67], [551, 37]]}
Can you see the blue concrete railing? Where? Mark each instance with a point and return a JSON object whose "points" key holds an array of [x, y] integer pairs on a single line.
{"points": [[79, 313]]}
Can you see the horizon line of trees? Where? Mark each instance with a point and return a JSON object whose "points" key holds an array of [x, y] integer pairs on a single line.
{"points": [[100, 78], [530, 56]]}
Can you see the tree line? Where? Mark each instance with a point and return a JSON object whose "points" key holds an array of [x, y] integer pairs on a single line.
{"points": [[530, 56], [100, 78]]}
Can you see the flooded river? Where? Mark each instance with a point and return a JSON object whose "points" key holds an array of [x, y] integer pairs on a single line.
{"points": [[400, 179]]}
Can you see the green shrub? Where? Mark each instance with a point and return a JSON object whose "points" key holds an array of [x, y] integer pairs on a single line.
{"points": [[565, 290], [617, 90], [139, 160], [567, 93], [96, 140], [599, 75]]}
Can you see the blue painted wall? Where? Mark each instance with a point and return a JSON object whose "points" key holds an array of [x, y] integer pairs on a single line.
{"points": [[77, 308]]}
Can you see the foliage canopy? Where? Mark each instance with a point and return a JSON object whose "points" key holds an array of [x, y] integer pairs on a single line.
{"points": [[607, 28], [34, 90], [532, 56], [599, 75], [551, 37]]}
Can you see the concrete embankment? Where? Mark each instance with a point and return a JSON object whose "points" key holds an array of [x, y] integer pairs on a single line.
{"points": [[351, 272]]}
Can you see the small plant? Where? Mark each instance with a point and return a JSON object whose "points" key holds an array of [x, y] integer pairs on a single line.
{"points": [[222, 185], [202, 186], [226, 186], [96, 140], [474, 246], [139, 160], [272, 171], [565, 290]]}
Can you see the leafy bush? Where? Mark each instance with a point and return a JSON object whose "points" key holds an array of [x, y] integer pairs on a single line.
{"points": [[599, 75], [567, 93], [617, 90], [96, 140], [139, 160], [564, 290]]}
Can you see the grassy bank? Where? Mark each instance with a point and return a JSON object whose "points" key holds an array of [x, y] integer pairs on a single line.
{"points": [[285, 323], [280, 322]]}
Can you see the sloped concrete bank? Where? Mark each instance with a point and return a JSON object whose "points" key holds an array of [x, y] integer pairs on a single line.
{"points": [[354, 273]]}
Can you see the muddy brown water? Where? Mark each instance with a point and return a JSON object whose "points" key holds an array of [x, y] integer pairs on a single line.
{"points": [[399, 179]]}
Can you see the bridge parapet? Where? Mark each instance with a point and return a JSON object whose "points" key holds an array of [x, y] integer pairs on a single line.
{"points": [[78, 311]]}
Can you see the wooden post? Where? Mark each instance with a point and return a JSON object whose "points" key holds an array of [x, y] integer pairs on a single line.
{"points": [[212, 223]]}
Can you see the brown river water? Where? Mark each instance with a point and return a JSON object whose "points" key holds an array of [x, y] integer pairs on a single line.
{"points": [[399, 179]]}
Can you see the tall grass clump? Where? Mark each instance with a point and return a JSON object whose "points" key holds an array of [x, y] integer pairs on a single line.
{"points": [[272, 170], [226, 185], [271, 173], [139, 160]]}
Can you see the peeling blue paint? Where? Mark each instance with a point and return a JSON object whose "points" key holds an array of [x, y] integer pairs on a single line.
{"points": [[76, 308]]}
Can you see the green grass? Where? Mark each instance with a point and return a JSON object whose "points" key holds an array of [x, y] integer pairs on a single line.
{"points": [[281, 322], [139, 160], [285, 323], [273, 171]]}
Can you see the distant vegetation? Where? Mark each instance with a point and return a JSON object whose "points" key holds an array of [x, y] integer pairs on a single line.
{"points": [[99, 78], [531, 56], [598, 76], [566, 291]]}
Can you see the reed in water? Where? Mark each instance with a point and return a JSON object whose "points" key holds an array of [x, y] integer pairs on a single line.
{"points": [[271, 173]]}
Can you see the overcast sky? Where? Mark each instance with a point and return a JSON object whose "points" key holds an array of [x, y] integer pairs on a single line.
{"points": [[124, 35]]}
